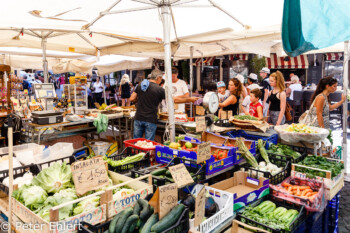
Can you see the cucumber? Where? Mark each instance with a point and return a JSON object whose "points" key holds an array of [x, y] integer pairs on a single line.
{"points": [[133, 227], [131, 219], [158, 172], [145, 213], [169, 220], [150, 222], [123, 217], [111, 228], [168, 174], [137, 209]]}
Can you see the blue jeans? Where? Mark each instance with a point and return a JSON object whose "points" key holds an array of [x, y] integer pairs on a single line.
{"points": [[141, 127]]}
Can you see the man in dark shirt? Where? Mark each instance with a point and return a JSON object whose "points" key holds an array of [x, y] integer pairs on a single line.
{"points": [[264, 73], [149, 95]]}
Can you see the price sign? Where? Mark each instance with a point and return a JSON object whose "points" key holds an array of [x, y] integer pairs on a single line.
{"points": [[181, 176], [229, 114], [204, 152], [89, 175], [223, 115], [200, 124], [200, 110], [168, 197], [176, 106], [199, 207]]}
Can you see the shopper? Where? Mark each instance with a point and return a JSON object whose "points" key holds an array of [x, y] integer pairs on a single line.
{"points": [[255, 107], [223, 94], [321, 104], [277, 99], [109, 91], [295, 86], [180, 89], [232, 102], [97, 90], [125, 90], [252, 82], [266, 88]]}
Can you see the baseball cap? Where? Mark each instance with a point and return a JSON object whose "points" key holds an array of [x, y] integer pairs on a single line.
{"points": [[253, 76], [253, 86], [265, 70], [240, 78], [220, 84]]}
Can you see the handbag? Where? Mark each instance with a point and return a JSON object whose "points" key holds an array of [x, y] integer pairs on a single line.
{"points": [[287, 113], [305, 118]]}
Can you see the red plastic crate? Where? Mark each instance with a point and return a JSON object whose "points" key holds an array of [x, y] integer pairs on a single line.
{"points": [[131, 143]]}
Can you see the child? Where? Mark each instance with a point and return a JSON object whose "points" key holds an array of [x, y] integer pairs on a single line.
{"points": [[222, 92], [255, 107]]}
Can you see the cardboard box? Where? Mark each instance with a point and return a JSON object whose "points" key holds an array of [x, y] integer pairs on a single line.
{"points": [[240, 227], [244, 188], [107, 209]]}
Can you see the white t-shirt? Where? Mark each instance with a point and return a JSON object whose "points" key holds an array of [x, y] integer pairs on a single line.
{"points": [[98, 87], [294, 87], [223, 97], [179, 88]]}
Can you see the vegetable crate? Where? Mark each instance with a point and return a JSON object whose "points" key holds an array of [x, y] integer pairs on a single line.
{"points": [[197, 172], [286, 155], [225, 203], [181, 226], [69, 160], [321, 175], [333, 213], [315, 202], [274, 179], [132, 142], [273, 139], [17, 172], [129, 151], [279, 203]]}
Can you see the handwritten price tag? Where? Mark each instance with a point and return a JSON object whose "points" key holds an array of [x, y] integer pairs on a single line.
{"points": [[229, 114], [200, 110], [89, 175], [200, 124], [223, 115], [181, 176], [199, 207], [168, 197], [204, 152]]}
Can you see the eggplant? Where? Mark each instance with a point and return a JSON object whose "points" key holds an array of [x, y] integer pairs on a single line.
{"points": [[149, 197], [190, 202], [211, 207]]}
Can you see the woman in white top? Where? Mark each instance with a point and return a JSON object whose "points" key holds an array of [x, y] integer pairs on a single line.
{"points": [[97, 90], [295, 86]]}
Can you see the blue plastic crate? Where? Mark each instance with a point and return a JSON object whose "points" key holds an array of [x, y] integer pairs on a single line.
{"points": [[326, 220], [333, 212], [273, 139], [314, 223]]}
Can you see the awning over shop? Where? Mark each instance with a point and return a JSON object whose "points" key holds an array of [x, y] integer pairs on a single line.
{"points": [[298, 62], [334, 56], [243, 57], [208, 61]]}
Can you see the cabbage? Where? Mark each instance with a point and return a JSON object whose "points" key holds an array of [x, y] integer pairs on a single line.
{"points": [[32, 196], [86, 205], [44, 213], [54, 178]]}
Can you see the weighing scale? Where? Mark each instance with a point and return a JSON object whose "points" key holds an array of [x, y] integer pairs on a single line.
{"points": [[211, 105], [46, 92]]}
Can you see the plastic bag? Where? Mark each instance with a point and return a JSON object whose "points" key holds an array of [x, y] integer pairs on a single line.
{"points": [[57, 151], [294, 137]]}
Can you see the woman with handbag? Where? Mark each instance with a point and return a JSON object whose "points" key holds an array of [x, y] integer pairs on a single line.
{"points": [[318, 115], [277, 99]]}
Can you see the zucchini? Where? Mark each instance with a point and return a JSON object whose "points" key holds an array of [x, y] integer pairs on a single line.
{"points": [[137, 209], [111, 227], [169, 220], [145, 213], [133, 226], [158, 172], [150, 222], [123, 217], [131, 219], [168, 174]]}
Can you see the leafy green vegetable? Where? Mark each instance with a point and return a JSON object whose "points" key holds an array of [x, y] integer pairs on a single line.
{"points": [[126, 160], [283, 150], [32, 197], [320, 163], [245, 117], [261, 146], [54, 178], [86, 205]]}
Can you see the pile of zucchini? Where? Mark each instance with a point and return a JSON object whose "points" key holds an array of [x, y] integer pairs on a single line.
{"points": [[163, 173], [142, 219]]}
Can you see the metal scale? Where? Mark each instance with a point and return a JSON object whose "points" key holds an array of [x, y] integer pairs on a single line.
{"points": [[211, 106]]}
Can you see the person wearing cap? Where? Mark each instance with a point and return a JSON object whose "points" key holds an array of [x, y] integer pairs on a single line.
{"points": [[252, 82], [295, 86], [252, 85], [222, 92], [266, 88], [180, 89]]}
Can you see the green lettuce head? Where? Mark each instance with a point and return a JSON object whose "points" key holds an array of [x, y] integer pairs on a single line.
{"points": [[33, 196], [86, 205], [54, 178]]}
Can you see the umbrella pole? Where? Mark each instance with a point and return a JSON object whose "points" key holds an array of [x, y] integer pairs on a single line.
{"points": [[191, 78], [10, 146], [166, 18], [345, 104], [45, 68]]}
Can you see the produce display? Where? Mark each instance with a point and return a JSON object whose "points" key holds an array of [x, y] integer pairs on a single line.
{"points": [[26, 179], [285, 150], [300, 191], [321, 163], [246, 153], [141, 218], [300, 128], [126, 160], [245, 117], [211, 207], [144, 144], [267, 213]]}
